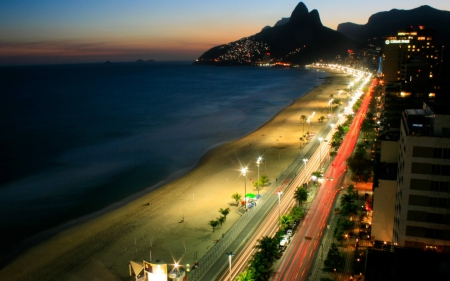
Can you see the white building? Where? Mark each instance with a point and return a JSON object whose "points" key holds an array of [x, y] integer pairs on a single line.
{"points": [[422, 206]]}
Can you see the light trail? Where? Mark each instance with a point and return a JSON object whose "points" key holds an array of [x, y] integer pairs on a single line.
{"points": [[316, 217], [296, 258]]}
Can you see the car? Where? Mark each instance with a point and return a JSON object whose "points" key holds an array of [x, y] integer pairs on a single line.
{"points": [[285, 240], [289, 232]]}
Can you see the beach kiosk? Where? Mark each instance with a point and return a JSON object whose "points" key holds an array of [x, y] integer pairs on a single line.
{"points": [[155, 271], [136, 271]]}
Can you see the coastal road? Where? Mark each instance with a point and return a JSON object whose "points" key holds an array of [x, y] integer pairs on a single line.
{"points": [[268, 225], [265, 221], [299, 257]]}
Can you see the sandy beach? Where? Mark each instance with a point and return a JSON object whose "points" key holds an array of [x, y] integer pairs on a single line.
{"points": [[172, 221]]}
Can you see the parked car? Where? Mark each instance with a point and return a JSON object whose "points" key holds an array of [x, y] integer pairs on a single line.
{"points": [[289, 232]]}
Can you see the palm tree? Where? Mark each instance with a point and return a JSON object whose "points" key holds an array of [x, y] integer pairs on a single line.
{"points": [[321, 118], [260, 266], [224, 212], [301, 139], [237, 197], [303, 120], [213, 224], [247, 275], [221, 220], [264, 179], [297, 212], [285, 221], [268, 247], [301, 195]]}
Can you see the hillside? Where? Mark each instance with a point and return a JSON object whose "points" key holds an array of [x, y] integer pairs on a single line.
{"points": [[389, 22], [301, 40]]}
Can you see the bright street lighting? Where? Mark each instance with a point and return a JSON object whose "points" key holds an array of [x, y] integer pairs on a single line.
{"points": [[243, 172], [305, 160], [258, 161], [320, 151], [230, 254], [279, 208]]}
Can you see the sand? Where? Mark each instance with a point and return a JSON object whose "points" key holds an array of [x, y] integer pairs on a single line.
{"points": [[101, 248]]}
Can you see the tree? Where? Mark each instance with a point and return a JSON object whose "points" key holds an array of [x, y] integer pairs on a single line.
{"points": [[260, 266], [213, 224], [224, 212], [237, 197], [340, 129], [301, 195], [321, 118], [360, 165], [285, 221], [221, 220], [303, 120], [247, 275], [268, 247], [264, 179], [367, 125], [297, 212], [301, 139], [334, 259]]}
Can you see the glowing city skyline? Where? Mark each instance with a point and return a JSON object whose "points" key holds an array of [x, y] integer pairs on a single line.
{"points": [[52, 31]]}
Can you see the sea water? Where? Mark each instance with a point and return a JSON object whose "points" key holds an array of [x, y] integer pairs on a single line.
{"points": [[76, 139]]}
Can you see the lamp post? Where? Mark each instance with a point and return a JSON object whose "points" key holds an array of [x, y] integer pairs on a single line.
{"points": [[258, 161], [279, 207], [230, 254], [320, 151], [243, 172], [305, 160]]}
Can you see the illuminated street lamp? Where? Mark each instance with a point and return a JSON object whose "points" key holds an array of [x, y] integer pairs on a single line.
{"points": [[243, 172], [320, 151], [258, 161], [279, 207], [230, 254], [305, 160], [332, 126]]}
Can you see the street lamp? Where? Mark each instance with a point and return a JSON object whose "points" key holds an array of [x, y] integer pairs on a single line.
{"points": [[243, 171], [230, 254], [320, 151], [305, 160], [279, 208], [258, 161]]}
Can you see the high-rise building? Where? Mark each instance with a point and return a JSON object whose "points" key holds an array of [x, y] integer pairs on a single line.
{"points": [[422, 208], [409, 56]]}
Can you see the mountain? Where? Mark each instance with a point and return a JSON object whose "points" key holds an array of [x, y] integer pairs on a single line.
{"points": [[300, 40], [389, 22]]}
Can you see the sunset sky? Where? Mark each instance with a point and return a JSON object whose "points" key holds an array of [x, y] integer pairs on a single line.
{"points": [[59, 31]]}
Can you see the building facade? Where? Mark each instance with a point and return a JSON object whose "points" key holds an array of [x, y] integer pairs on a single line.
{"points": [[409, 56], [422, 206]]}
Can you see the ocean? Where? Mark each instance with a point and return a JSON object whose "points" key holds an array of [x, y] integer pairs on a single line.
{"points": [[76, 139]]}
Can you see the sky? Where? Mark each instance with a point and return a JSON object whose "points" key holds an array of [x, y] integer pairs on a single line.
{"points": [[78, 31]]}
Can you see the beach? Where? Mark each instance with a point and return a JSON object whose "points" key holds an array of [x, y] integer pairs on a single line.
{"points": [[171, 222]]}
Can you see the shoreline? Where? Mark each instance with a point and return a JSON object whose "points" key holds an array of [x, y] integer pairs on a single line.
{"points": [[102, 245]]}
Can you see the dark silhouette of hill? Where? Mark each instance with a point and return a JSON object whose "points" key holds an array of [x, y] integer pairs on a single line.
{"points": [[389, 22], [301, 40]]}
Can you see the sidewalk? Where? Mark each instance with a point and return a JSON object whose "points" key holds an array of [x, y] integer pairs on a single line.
{"points": [[347, 247]]}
